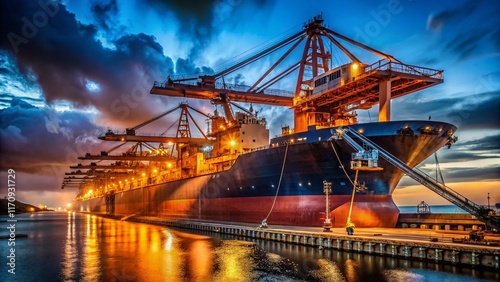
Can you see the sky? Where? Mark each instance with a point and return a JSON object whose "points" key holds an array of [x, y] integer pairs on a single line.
{"points": [[70, 70]]}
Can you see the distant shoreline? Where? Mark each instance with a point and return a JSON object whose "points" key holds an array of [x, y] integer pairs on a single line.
{"points": [[19, 207]]}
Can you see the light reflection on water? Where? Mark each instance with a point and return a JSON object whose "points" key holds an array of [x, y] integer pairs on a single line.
{"points": [[80, 247]]}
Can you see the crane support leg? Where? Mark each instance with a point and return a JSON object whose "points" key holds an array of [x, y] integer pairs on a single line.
{"points": [[384, 112]]}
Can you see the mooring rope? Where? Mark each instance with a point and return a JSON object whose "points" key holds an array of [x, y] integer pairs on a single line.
{"points": [[264, 222], [340, 162], [352, 197]]}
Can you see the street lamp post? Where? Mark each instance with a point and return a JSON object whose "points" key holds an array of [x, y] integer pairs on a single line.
{"points": [[327, 189]]}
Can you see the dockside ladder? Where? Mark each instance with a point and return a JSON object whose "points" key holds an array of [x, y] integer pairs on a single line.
{"points": [[426, 180]]}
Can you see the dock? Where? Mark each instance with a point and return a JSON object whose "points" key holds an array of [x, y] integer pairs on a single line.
{"points": [[410, 243], [436, 221]]}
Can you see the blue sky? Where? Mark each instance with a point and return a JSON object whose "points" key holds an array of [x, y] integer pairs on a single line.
{"points": [[78, 68]]}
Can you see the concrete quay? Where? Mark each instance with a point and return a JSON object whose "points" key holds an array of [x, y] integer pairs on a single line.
{"points": [[436, 221], [406, 243]]}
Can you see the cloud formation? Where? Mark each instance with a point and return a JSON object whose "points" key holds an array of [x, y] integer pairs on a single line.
{"points": [[478, 111], [105, 14], [201, 20], [102, 74], [36, 140], [462, 34], [65, 56], [437, 21]]}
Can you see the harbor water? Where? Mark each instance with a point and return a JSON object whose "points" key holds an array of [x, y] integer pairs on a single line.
{"points": [[67, 246]]}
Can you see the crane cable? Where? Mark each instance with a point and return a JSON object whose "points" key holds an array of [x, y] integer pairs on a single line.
{"points": [[264, 221]]}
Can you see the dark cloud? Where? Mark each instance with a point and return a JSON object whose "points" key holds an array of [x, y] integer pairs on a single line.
{"points": [[12, 80], [277, 118], [105, 14], [200, 20], [239, 79], [466, 46], [40, 140], [488, 143], [7, 98], [455, 155], [186, 66], [468, 31], [476, 112], [438, 20], [479, 111], [195, 17], [474, 174], [59, 59], [458, 174], [64, 55]]}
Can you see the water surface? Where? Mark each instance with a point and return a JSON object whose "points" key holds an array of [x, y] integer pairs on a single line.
{"points": [[80, 247]]}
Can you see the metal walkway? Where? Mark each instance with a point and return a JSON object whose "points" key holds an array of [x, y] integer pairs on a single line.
{"points": [[437, 187]]}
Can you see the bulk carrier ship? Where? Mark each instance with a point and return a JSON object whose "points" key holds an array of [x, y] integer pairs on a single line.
{"points": [[235, 172]]}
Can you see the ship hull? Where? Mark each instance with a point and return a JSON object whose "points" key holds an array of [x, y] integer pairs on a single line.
{"points": [[247, 191]]}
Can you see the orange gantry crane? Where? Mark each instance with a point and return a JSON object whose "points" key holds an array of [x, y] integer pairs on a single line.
{"points": [[351, 86], [128, 167], [183, 135]]}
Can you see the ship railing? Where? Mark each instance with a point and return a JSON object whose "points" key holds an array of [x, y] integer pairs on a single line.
{"points": [[158, 84], [141, 134], [231, 156], [404, 68], [138, 184], [256, 149], [155, 134]]}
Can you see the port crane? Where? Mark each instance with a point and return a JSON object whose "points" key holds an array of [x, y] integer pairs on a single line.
{"points": [[113, 166], [420, 176], [365, 86], [183, 135], [128, 168], [126, 165]]}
